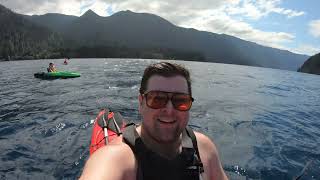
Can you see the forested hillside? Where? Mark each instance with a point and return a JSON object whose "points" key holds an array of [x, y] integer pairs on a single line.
{"points": [[22, 39]]}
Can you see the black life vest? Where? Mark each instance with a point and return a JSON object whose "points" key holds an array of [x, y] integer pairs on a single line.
{"points": [[151, 166]]}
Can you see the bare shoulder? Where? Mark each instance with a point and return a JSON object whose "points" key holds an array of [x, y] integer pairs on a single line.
{"points": [[116, 158], [210, 158], [205, 142]]}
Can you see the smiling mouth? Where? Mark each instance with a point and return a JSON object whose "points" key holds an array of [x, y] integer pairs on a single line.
{"points": [[166, 122]]}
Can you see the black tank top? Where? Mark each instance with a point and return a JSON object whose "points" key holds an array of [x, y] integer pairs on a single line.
{"points": [[151, 166]]}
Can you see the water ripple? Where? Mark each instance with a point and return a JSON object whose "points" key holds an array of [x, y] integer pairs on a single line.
{"points": [[264, 122]]}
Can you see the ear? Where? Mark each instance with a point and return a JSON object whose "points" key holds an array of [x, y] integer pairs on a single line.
{"points": [[140, 98]]}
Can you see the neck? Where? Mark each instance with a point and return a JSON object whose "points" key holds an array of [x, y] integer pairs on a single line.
{"points": [[167, 150]]}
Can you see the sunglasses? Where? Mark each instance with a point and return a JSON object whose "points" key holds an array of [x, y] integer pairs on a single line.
{"points": [[159, 99]]}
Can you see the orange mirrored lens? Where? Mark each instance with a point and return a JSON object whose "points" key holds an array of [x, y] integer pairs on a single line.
{"points": [[181, 102], [156, 100]]}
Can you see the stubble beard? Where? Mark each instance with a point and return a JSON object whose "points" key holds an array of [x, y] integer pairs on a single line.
{"points": [[166, 135]]}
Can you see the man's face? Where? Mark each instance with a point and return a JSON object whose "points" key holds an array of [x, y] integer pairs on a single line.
{"points": [[164, 125]]}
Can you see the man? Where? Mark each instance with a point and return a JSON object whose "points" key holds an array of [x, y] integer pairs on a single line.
{"points": [[51, 68], [161, 147]]}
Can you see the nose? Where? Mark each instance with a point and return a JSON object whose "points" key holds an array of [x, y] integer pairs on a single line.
{"points": [[169, 107]]}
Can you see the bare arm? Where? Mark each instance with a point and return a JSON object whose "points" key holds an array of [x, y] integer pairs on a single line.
{"points": [[210, 158], [112, 162]]}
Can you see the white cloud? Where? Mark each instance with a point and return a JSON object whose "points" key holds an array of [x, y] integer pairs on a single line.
{"points": [[314, 28], [162, 5], [248, 10], [256, 9], [99, 7], [306, 49], [39, 7], [85, 5], [70, 7], [220, 22], [290, 13], [174, 10]]}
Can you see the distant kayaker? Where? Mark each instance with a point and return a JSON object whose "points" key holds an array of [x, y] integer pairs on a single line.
{"points": [[162, 147], [65, 62], [51, 68]]}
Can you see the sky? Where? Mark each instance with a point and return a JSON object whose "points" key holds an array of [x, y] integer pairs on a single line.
{"points": [[292, 25]]}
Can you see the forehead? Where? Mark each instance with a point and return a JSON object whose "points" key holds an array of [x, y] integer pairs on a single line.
{"points": [[169, 84]]}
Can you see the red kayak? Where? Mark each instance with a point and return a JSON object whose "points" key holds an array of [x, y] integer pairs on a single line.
{"points": [[107, 126]]}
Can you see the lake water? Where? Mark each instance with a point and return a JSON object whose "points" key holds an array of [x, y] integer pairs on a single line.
{"points": [[264, 122]]}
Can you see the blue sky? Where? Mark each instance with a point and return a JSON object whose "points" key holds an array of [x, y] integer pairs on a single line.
{"points": [[292, 25]]}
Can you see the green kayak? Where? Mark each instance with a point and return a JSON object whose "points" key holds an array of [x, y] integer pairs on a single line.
{"points": [[56, 75]]}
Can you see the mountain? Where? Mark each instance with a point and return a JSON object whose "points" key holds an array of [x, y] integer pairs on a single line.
{"points": [[144, 35], [312, 65], [143, 30], [53, 21], [21, 38]]}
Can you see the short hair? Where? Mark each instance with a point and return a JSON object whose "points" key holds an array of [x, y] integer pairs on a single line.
{"points": [[165, 69]]}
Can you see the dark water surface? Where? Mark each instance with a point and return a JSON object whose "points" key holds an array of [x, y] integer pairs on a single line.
{"points": [[264, 122]]}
